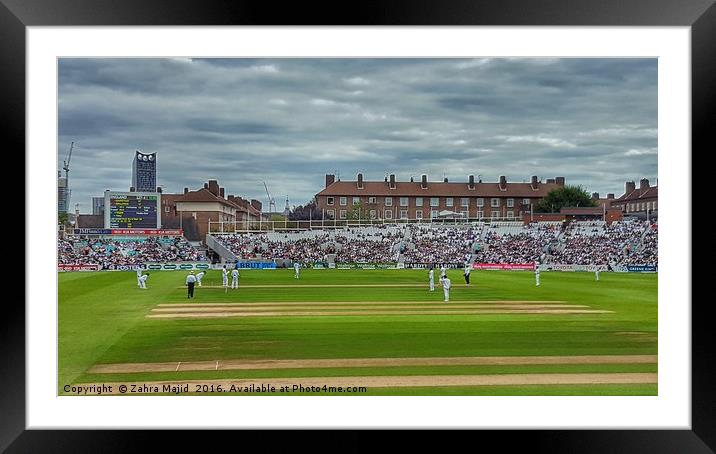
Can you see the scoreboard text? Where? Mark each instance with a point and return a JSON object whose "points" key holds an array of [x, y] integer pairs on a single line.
{"points": [[132, 211]]}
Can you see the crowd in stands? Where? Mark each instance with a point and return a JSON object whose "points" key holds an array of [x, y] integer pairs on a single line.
{"points": [[619, 243], [533, 243], [109, 252], [430, 244]]}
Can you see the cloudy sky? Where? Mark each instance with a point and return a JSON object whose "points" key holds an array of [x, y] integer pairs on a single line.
{"points": [[288, 122]]}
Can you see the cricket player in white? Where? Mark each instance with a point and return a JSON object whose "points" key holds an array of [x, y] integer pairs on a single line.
{"points": [[234, 278], [446, 288], [143, 281], [536, 274], [198, 277], [297, 269], [596, 273], [443, 272], [468, 268], [139, 277], [225, 277], [432, 279]]}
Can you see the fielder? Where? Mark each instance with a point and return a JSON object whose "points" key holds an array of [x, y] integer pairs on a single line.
{"points": [[234, 278], [143, 281], [139, 277], [468, 268], [198, 278], [446, 288], [443, 272], [596, 273], [536, 274], [297, 269], [225, 277], [432, 279]]}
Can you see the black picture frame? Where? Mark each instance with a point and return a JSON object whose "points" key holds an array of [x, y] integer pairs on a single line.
{"points": [[700, 15]]}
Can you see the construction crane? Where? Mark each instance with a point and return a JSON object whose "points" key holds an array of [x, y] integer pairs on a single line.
{"points": [[272, 202], [66, 168]]}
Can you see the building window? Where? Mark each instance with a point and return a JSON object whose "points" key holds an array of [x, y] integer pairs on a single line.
{"points": [[434, 201], [434, 213], [344, 201], [356, 200], [342, 214], [495, 202], [525, 201], [388, 214], [510, 203], [389, 201], [372, 200], [464, 202], [449, 201], [372, 214], [329, 200], [481, 202], [418, 201], [495, 214], [419, 214], [166, 209], [510, 214], [331, 213], [480, 214], [465, 214], [403, 201], [193, 215], [403, 214]]}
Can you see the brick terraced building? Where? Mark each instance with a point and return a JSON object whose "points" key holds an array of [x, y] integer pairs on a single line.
{"points": [[391, 199]]}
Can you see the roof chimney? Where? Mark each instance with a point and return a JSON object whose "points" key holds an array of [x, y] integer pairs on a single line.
{"points": [[610, 195], [550, 180], [424, 181], [503, 183], [159, 189], [643, 184], [445, 180], [330, 179], [471, 182], [221, 192], [629, 187], [256, 204], [214, 187], [535, 182], [360, 181], [595, 195], [206, 185], [392, 181], [559, 181], [186, 190]]}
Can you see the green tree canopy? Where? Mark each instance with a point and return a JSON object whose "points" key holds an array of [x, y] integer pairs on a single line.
{"points": [[567, 196]]}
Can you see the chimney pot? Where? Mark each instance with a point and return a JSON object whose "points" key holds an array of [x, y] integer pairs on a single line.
{"points": [[471, 181], [610, 195], [559, 181], [206, 185], [534, 180], [392, 181], [503, 182], [186, 190], [424, 181], [360, 181], [550, 180], [221, 192], [643, 184], [595, 195], [445, 180]]}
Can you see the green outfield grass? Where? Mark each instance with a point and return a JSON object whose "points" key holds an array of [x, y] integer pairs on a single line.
{"points": [[103, 320]]}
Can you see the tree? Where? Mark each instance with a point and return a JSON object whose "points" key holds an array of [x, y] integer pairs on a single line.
{"points": [[567, 196], [305, 212], [357, 212], [62, 218]]}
